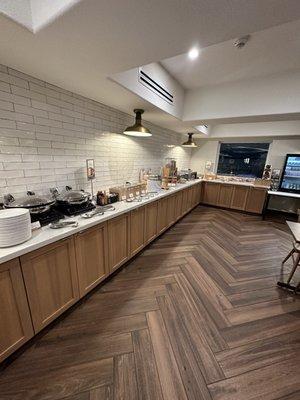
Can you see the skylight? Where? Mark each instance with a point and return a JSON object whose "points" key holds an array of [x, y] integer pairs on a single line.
{"points": [[35, 14]]}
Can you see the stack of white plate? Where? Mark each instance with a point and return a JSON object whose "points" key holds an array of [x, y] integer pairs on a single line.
{"points": [[15, 226]]}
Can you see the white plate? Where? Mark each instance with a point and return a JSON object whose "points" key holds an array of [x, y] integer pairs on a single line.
{"points": [[6, 244], [13, 212], [14, 228], [14, 225]]}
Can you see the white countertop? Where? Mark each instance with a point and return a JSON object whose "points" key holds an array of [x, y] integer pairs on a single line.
{"points": [[284, 194], [46, 235]]}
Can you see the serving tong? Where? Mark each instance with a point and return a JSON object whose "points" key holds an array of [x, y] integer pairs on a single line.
{"points": [[98, 211], [63, 224]]}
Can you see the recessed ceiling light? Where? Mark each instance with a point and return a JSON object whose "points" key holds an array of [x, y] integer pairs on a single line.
{"points": [[193, 53]]}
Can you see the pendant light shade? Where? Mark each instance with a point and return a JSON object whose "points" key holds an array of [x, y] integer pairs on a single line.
{"points": [[138, 129], [190, 142]]}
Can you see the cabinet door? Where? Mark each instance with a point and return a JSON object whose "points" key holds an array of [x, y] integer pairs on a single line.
{"points": [[15, 320], [211, 193], [91, 257], [256, 199], [118, 241], [50, 276], [171, 210], [137, 230], [185, 204], [162, 220], [178, 205], [151, 221], [225, 195], [239, 197]]}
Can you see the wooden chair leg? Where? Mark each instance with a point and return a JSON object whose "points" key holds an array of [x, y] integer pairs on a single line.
{"points": [[296, 263], [288, 256]]}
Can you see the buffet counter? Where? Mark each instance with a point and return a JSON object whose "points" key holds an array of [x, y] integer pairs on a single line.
{"points": [[46, 235]]}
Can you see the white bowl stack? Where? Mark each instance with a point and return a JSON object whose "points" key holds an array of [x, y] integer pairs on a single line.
{"points": [[15, 226]]}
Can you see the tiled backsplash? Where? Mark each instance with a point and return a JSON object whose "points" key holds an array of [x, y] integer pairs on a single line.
{"points": [[47, 133]]}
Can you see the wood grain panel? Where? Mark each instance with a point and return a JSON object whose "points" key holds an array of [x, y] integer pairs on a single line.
{"points": [[147, 377], [15, 319], [51, 281], [168, 372], [91, 257], [256, 200], [151, 221], [125, 385], [225, 195], [264, 383], [239, 197], [162, 215], [118, 241], [137, 230]]}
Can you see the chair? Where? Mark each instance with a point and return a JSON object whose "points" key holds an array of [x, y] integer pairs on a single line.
{"points": [[295, 254]]}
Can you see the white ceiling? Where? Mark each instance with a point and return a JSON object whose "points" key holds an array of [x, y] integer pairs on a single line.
{"points": [[268, 52], [95, 39]]}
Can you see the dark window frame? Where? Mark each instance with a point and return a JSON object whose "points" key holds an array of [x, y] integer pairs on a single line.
{"points": [[256, 152]]}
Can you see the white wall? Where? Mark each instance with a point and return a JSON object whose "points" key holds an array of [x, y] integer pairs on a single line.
{"points": [[278, 150], [208, 150], [129, 80], [273, 95], [47, 133], [256, 129]]}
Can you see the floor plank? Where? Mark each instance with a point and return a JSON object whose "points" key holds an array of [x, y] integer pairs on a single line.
{"points": [[266, 383], [168, 372], [125, 385], [147, 377], [259, 354]]}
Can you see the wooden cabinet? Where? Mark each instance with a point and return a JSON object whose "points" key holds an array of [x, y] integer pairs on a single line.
{"points": [[200, 192], [185, 203], [151, 221], [51, 283], [137, 230], [256, 200], [225, 195], [162, 217], [118, 241], [211, 193], [196, 194], [239, 197], [171, 210], [178, 205], [15, 321], [92, 257]]}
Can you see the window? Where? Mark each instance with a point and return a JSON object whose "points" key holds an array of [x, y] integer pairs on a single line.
{"points": [[242, 159]]}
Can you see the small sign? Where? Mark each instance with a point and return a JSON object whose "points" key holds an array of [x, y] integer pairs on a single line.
{"points": [[123, 197], [90, 169]]}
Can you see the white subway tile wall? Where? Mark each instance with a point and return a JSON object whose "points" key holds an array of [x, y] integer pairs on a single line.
{"points": [[47, 133]]}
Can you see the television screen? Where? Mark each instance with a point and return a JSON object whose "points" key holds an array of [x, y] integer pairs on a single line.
{"points": [[290, 178]]}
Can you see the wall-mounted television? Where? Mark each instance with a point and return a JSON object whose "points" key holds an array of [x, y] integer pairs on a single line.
{"points": [[290, 177]]}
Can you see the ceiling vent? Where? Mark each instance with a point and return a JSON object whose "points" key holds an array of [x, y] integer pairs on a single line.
{"points": [[155, 87]]}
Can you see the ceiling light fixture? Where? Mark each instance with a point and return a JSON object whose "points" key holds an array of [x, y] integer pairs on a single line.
{"points": [[190, 142], [138, 129], [193, 53]]}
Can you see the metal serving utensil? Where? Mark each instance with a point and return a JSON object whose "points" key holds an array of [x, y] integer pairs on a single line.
{"points": [[92, 214], [63, 224]]}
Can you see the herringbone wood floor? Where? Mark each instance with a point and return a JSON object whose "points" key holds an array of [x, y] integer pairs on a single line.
{"points": [[196, 316]]}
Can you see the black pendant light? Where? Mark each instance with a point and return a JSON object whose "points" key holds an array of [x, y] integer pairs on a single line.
{"points": [[137, 130], [190, 142]]}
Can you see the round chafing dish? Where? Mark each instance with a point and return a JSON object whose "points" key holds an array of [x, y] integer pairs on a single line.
{"points": [[34, 203], [70, 196]]}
